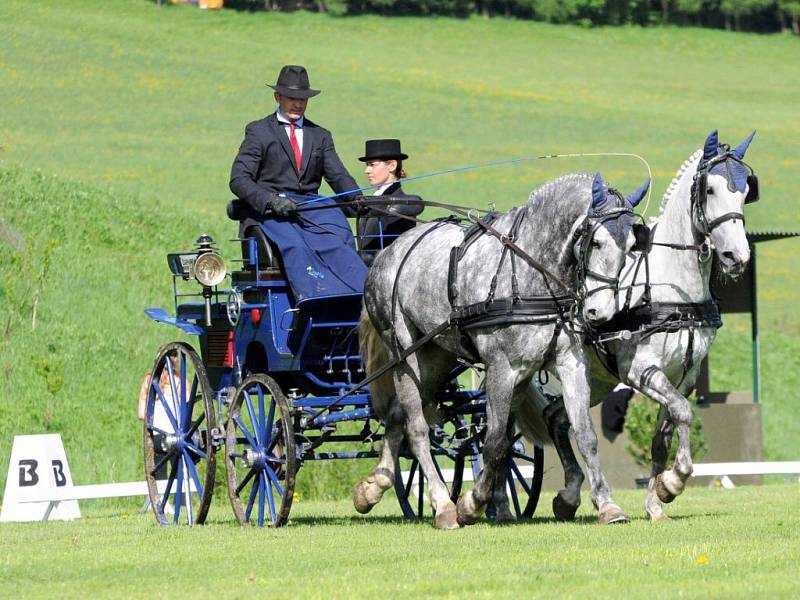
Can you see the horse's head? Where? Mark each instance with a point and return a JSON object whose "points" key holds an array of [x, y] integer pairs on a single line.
{"points": [[602, 241], [722, 185]]}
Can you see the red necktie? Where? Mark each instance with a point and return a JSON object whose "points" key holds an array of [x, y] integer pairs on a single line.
{"points": [[298, 156]]}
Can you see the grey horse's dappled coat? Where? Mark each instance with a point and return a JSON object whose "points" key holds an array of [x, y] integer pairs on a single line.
{"points": [[406, 297]]}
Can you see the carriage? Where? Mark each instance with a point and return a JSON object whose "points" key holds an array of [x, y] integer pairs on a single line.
{"points": [[275, 380]]}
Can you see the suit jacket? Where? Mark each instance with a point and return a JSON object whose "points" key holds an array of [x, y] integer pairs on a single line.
{"points": [[377, 221], [265, 163]]}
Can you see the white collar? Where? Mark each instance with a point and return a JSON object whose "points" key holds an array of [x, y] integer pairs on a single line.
{"points": [[283, 120], [383, 188]]}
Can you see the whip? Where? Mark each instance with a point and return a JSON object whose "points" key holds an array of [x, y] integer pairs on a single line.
{"points": [[494, 163]]}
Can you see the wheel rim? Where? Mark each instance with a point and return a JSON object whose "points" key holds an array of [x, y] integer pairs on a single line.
{"points": [[178, 454], [260, 454]]}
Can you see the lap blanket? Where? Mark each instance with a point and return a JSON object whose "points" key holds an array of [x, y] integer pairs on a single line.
{"points": [[318, 252]]}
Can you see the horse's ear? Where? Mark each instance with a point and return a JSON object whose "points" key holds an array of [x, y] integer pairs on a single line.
{"points": [[739, 151], [712, 143], [637, 196], [598, 193]]}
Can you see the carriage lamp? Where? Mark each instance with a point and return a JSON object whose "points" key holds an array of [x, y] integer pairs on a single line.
{"points": [[208, 269]]}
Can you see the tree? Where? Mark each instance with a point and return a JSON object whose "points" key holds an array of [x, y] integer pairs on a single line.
{"points": [[739, 8], [790, 10]]}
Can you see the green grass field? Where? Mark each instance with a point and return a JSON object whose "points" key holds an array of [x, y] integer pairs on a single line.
{"points": [[739, 543], [120, 120]]}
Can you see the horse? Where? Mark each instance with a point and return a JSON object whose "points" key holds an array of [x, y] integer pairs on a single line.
{"points": [[452, 296], [668, 302]]}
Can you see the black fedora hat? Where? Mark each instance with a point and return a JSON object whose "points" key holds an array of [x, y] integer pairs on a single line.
{"points": [[382, 149], [293, 83]]}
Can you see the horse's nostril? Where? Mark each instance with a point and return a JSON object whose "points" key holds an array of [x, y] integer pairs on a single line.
{"points": [[591, 313], [730, 256]]}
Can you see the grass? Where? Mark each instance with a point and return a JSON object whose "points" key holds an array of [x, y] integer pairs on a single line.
{"points": [[721, 543], [120, 121]]}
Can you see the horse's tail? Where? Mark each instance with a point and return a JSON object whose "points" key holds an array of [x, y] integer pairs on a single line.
{"points": [[529, 417], [375, 354]]}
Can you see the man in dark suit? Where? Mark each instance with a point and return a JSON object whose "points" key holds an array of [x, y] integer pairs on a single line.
{"points": [[286, 153], [378, 227]]}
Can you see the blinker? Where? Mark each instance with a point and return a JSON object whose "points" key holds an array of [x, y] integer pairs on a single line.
{"points": [[642, 235], [752, 190]]}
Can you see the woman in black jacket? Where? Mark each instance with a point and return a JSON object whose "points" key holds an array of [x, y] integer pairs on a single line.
{"points": [[379, 227]]}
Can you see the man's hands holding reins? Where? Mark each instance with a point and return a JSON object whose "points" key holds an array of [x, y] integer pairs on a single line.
{"points": [[281, 205]]}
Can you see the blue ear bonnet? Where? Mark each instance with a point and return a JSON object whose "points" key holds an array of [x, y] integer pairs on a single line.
{"points": [[733, 171], [737, 177], [607, 201]]}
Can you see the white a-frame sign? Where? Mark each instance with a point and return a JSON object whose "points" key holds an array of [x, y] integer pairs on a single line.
{"points": [[38, 463]]}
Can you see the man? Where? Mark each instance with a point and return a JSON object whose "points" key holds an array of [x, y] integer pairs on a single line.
{"points": [[286, 153]]}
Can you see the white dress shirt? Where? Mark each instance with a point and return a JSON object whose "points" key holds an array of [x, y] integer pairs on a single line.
{"points": [[298, 130]]}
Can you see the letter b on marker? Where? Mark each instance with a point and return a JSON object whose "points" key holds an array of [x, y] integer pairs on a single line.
{"points": [[27, 472]]}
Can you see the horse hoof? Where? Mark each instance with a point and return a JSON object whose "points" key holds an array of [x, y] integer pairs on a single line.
{"points": [[611, 513], [662, 492], [360, 501], [657, 516], [467, 512], [505, 517], [447, 518], [563, 510]]}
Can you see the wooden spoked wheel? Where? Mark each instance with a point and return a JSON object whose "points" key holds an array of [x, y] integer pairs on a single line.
{"points": [[260, 453], [178, 421]]}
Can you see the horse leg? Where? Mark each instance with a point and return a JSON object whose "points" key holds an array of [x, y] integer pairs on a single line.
{"points": [[671, 482], [573, 370], [568, 499], [662, 440], [407, 384], [369, 492], [499, 391], [502, 506]]}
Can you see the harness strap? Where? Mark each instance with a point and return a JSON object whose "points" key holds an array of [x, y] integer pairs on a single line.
{"points": [[448, 220], [658, 317], [688, 358], [726, 217], [506, 241]]}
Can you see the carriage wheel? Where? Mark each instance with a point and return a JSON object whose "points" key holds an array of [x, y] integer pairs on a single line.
{"points": [[178, 420], [260, 453], [524, 476]]}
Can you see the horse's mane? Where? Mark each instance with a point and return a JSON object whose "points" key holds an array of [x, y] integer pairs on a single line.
{"points": [[673, 185], [552, 210], [545, 202]]}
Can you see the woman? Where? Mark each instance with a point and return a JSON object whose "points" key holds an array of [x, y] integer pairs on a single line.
{"points": [[378, 227]]}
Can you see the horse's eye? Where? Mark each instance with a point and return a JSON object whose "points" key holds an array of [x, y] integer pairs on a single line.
{"points": [[710, 191], [595, 244]]}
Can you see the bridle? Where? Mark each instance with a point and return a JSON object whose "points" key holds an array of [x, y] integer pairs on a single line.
{"points": [[699, 198], [583, 238], [699, 201]]}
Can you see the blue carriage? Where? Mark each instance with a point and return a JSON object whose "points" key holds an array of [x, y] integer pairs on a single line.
{"points": [[274, 380]]}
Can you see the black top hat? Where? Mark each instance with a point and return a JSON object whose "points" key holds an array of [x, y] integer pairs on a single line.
{"points": [[381, 149], [293, 83]]}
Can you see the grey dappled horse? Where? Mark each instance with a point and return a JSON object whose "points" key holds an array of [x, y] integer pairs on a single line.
{"points": [[701, 217], [572, 225]]}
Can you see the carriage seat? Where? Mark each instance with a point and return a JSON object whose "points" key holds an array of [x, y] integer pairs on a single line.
{"points": [[316, 254], [267, 251]]}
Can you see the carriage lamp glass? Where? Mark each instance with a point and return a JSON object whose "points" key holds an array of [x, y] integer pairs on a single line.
{"points": [[209, 269]]}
